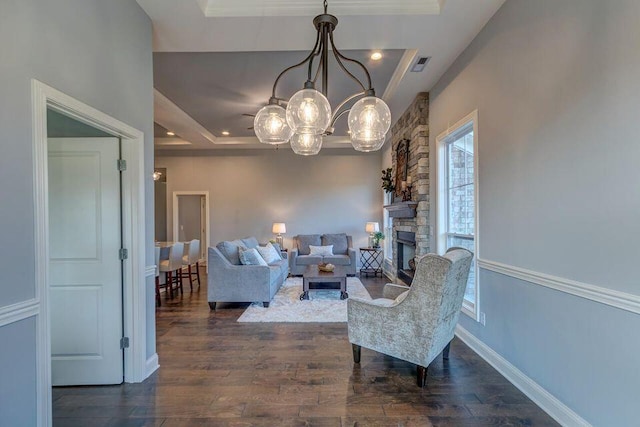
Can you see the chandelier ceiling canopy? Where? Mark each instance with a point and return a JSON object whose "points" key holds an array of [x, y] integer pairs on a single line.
{"points": [[308, 116]]}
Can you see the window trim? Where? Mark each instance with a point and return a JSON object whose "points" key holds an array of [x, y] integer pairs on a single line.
{"points": [[453, 132]]}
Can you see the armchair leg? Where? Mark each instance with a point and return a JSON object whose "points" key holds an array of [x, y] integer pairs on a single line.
{"points": [[422, 376], [212, 305], [265, 304], [356, 352], [445, 352]]}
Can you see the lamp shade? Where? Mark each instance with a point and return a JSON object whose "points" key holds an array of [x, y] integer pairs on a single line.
{"points": [[372, 227], [279, 228]]}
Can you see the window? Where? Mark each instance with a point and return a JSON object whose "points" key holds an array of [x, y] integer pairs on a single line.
{"points": [[457, 198]]}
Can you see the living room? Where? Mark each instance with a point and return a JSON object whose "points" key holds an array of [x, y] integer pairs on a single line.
{"points": [[551, 91]]}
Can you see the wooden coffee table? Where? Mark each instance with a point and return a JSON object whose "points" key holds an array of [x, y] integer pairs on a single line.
{"points": [[312, 274]]}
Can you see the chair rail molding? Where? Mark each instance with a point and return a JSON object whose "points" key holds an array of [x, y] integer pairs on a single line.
{"points": [[150, 270], [613, 298], [19, 311], [541, 397]]}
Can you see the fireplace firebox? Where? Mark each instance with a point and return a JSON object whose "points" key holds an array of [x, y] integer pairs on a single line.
{"points": [[406, 251]]}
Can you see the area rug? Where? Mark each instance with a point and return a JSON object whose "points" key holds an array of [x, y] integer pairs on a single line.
{"points": [[322, 306]]}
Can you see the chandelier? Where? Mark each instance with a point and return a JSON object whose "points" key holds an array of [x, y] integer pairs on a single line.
{"points": [[308, 117]]}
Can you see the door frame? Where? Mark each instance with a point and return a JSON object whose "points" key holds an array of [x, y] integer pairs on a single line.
{"points": [[133, 233], [175, 209]]}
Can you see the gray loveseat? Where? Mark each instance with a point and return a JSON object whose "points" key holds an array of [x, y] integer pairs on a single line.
{"points": [[343, 252], [230, 281]]}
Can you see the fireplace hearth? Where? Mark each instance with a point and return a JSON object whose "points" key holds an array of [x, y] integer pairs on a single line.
{"points": [[406, 251]]}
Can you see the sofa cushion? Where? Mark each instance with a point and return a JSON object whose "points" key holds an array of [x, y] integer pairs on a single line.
{"points": [[269, 253], [230, 250], [339, 242], [308, 259], [337, 259], [321, 250], [251, 257], [250, 242], [304, 240]]}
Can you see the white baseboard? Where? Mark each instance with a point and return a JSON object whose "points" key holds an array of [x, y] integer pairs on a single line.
{"points": [[541, 397], [152, 365]]}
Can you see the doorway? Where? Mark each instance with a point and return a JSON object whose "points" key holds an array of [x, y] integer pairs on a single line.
{"points": [[191, 218], [137, 366]]}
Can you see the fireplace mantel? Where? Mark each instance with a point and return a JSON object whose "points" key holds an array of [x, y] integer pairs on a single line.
{"points": [[402, 209]]}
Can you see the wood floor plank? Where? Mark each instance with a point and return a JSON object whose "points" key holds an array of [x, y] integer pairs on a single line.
{"points": [[218, 372]]}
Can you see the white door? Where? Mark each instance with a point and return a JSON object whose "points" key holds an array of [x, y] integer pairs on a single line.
{"points": [[85, 271]]}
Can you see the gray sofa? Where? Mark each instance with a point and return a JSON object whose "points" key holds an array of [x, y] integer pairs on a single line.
{"points": [[230, 281], [343, 252]]}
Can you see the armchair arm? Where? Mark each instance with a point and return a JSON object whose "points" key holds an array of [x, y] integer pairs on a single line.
{"points": [[392, 290], [293, 255], [352, 257]]}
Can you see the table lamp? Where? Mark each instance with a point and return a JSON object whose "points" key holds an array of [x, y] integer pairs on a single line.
{"points": [[279, 228], [371, 227]]}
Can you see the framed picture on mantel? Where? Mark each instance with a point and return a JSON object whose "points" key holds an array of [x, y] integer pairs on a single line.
{"points": [[402, 164]]}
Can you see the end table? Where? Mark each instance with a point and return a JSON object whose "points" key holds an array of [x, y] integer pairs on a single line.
{"points": [[371, 260]]}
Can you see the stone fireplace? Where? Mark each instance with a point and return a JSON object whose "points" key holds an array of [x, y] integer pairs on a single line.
{"points": [[411, 219]]}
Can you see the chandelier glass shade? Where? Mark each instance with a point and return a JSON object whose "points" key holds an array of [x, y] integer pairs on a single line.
{"points": [[306, 144], [369, 122], [270, 125], [309, 117], [309, 112]]}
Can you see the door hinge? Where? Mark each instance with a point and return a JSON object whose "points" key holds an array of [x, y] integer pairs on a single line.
{"points": [[124, 343], [122, 165], [124, 254]]}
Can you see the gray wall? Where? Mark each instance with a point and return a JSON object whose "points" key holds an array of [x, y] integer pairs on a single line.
{"points": [[100, 53], [335, 191], [557, 91]]}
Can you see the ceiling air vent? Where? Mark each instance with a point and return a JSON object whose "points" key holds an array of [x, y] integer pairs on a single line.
{"points": [[419, 65]]}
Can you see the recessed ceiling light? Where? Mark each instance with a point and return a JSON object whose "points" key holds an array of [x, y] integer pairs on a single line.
{"points": [[171, 133], [225, 133], [376, 56]]}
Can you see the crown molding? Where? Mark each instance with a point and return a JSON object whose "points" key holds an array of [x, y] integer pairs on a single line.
{"points": [[247, 8]]}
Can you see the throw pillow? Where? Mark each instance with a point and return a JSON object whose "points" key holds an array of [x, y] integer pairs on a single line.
{"points": [[321, 250], [269, 253], [251, 257]]}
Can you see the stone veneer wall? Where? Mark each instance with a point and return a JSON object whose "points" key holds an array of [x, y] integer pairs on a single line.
{"points": [[414, 126]]}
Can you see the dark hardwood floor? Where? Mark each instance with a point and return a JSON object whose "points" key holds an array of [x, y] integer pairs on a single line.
{"points": [[217, 372]]}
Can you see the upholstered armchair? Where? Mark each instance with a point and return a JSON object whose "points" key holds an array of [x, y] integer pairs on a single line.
{"points": [[419, 323]]}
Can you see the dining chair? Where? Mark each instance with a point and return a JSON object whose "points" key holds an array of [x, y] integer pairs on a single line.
{"points": [[191, 258], [171, 268]]}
